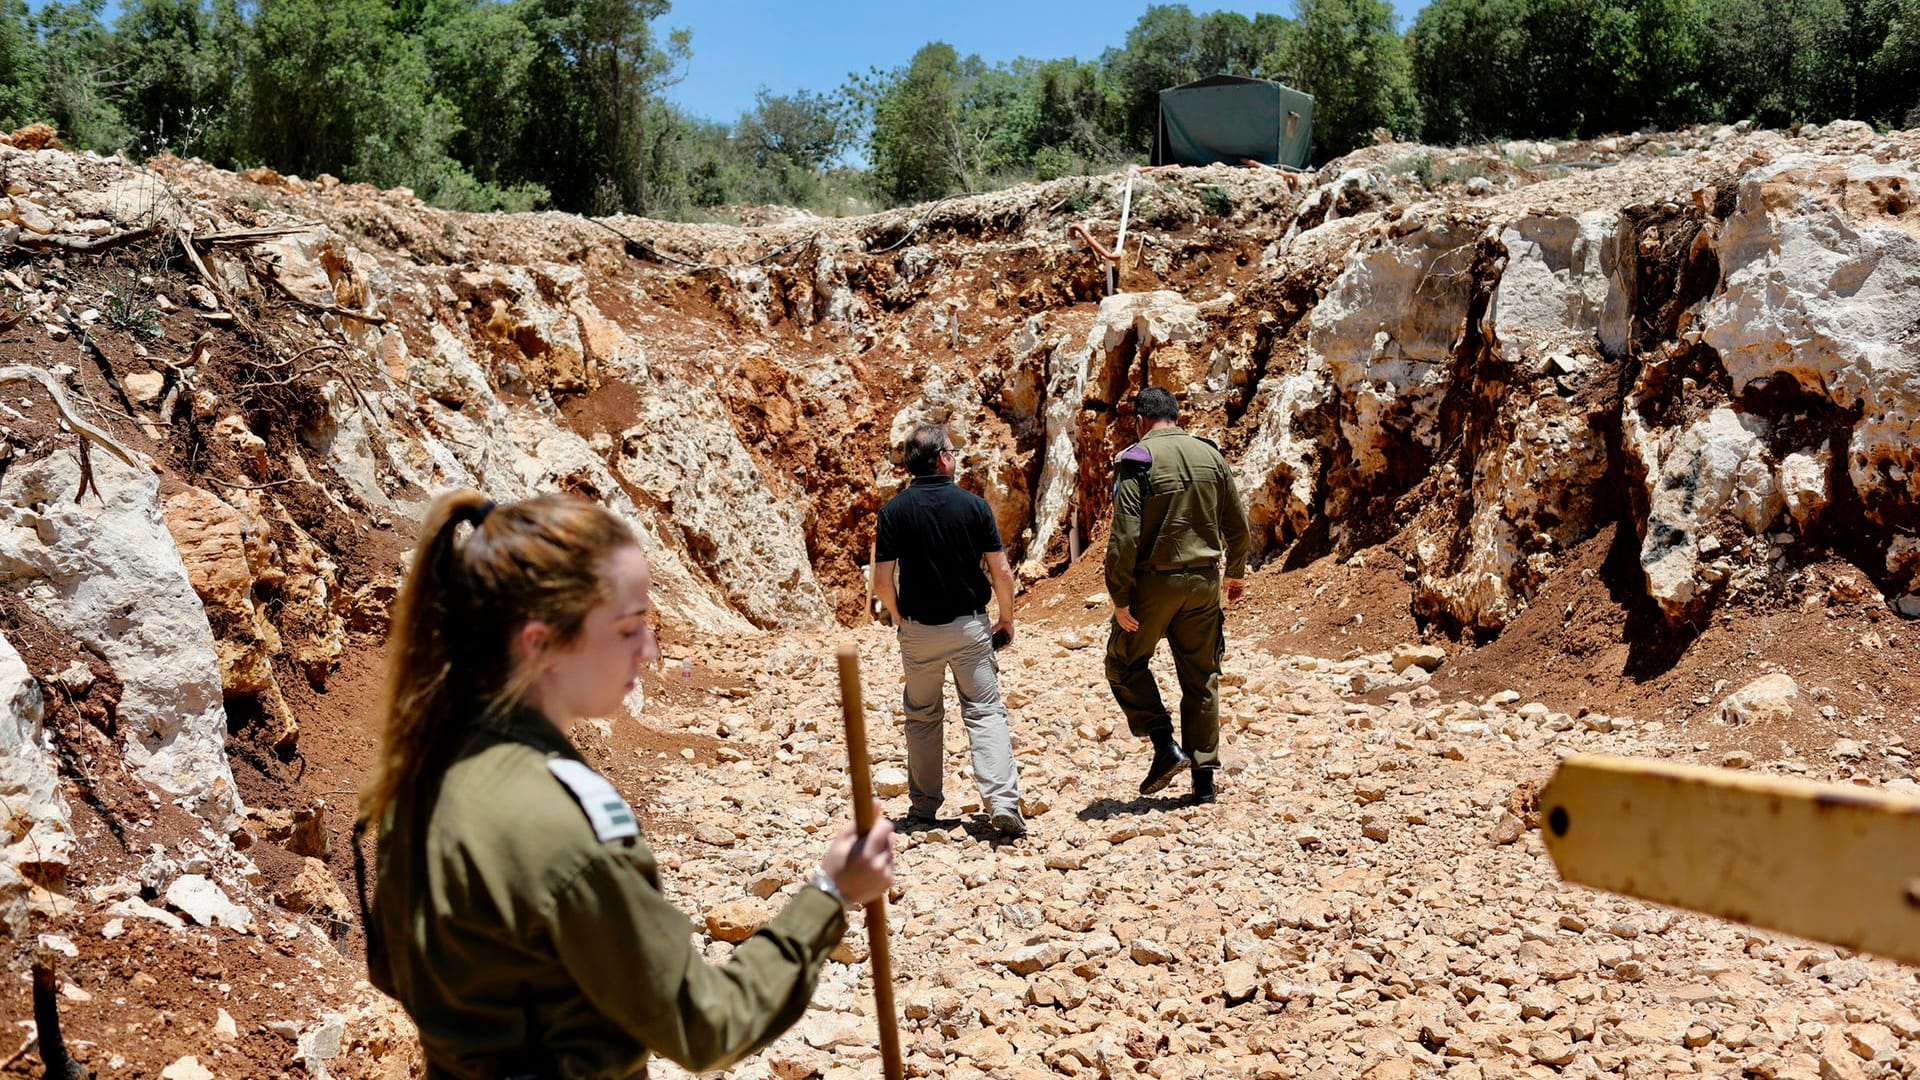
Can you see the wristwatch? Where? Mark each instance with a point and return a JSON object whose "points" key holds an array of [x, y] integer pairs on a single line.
{"points": [[824, 882]]}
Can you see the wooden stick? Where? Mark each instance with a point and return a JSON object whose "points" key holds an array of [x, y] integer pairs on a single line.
{"points": [[855, 715]]}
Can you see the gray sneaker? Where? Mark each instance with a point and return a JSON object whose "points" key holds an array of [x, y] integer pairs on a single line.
{"points": [[1009, 824]]}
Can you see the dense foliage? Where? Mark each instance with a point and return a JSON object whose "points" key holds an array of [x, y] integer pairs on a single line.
{"points": [[482, 104]]}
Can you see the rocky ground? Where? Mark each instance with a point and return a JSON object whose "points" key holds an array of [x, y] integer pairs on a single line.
{"points": [[1613, 437]]}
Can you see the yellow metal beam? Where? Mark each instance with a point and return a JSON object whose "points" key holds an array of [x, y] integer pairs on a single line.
{"points": [[1833, 862]]}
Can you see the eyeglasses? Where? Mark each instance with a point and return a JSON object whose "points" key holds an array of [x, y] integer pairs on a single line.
{"points": [[949, 450]]}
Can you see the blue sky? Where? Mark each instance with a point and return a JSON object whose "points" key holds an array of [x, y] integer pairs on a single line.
{"points": [[787, 45]]}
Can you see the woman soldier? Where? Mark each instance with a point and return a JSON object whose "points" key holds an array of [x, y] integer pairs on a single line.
{"points": [[518, 915]]}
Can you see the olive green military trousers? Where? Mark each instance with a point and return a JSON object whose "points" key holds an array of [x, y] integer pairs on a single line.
{"points": [[1182, 606]]}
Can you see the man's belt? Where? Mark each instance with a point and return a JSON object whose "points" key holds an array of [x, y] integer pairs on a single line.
{"points": [[942, 622], [1210, 564]]}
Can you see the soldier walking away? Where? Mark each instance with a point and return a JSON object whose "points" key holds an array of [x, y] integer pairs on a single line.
{"points": [[518, 916], [1175, 513], [938, 537]]}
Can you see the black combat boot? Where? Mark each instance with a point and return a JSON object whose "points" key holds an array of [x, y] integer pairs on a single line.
{"points": [[1168, 759], [1203, 786]]}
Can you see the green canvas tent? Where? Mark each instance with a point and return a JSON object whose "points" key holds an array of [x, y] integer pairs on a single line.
{"points": [[1232, 119]]}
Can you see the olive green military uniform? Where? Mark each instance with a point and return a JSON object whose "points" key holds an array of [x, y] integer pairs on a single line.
{"points": [[519, 920], [1175, 512]]}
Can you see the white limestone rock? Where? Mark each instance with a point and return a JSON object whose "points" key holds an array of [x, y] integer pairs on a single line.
{"points": [[1567, 287], [741, 527], [1157, 322], [1533, 496], [1820, 262], [1767, 698], [37, 829], [1384, 333], [108, 574], [322, 1043], [1696, 476], [1277, 470], [199, 899]]}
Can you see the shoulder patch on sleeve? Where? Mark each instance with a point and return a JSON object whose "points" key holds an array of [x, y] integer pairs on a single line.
{"points": [[1138, 454], [611, 817]]}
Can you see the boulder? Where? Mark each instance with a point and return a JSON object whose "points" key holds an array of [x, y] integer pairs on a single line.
{"points": [[143, 387], [199, 899], [1821, 251], [1767, 698], [88, 568], [314, 892], [217, 546], [1803, 483], [1428, 657], [735, 921], [1699, 477]]}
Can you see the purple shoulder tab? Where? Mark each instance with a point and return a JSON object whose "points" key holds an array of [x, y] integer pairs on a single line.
{"points": [[1137, 453]]}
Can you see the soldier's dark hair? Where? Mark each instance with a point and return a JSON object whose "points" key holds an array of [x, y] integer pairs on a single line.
{"points": [[922, 450], [449, 640], [1156, 403]]}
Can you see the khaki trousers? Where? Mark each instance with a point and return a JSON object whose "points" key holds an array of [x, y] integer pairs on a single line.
{"points": [[963, 646]]}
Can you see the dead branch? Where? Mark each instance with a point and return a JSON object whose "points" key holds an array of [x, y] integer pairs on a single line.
{"points": [[256, 487], [185, 237], [79, 245], [24, 373], [248, 236]]}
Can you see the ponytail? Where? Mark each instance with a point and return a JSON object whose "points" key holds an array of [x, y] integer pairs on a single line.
{"points": [[448, 642], [418, 699]]}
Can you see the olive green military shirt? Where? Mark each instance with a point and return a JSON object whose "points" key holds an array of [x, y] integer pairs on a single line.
{"points": [[519, 920], [1174, 506]]}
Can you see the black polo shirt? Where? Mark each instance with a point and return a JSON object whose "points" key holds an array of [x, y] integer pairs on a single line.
{"points": [[938, 534]]}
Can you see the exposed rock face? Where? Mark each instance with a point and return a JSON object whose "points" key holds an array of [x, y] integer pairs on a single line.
{"points": [[108, 574], [1460, 377], [1384, 335], [225, 552], [1821, 289], [735, 523], [1135, 339], [36, 827], [1566, 292]]}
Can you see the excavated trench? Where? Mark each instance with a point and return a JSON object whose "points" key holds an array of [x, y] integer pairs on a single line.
{"points": [[1615, 435]]}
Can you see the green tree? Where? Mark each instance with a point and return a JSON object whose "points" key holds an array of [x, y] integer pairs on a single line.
{"points": [[597, 70], [1896, 69], [22, 71], [480, 53], [913, 138], [1170, 45], [803, 129], [333, 87], [1462, 101], [79, 78], [1858, 75], [1347, 55], [183, 65]]}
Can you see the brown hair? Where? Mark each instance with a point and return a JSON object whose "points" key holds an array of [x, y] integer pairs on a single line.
{"points": [[449, 644]]}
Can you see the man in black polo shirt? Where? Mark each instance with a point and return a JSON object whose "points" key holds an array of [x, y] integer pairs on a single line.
{"points": [[938, 536]]}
